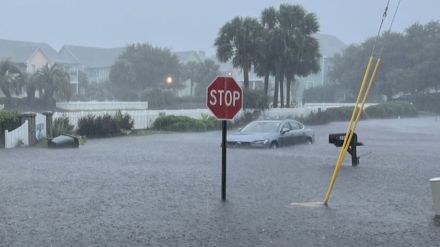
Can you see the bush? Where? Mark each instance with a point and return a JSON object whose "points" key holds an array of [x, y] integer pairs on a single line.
{"points": [[387, 110], [178, 123], [255, 100], [61, 125], [106, 125], [124, 121], [391, 109], [427, 102], [8, 121], [183, 123]]}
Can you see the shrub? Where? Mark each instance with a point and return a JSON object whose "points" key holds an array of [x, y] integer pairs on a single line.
{"points": [[210, 122], [391, 109], [178, 123], [106, 125], [61, 125], [124, 121], [8, 121], [255, 100], [387, 110], [427, 102]]}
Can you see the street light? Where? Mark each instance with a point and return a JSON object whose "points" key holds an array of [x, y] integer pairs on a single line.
{"points": [[169, 80]]}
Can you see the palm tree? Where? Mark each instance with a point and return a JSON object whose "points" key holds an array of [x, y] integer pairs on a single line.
{"points": [[239, 40], [296, 52], [52, 81], [266, 55], [11, 78], [302, 49]]}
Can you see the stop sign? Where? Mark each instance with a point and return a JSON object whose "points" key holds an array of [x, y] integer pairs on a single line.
{"points": [[225, 97]]}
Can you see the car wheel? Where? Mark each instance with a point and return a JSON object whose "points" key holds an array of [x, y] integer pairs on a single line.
{"points": [[274, 145]]}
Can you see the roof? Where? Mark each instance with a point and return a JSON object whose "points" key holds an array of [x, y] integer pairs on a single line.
{"points": [[21, 51], [90, 57]]}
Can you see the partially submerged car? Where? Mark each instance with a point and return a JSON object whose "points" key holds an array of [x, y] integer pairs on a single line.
{"points": [[271, 134]]}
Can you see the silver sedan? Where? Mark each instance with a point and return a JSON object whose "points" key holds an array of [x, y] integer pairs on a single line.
{"points": [[271, 134]]}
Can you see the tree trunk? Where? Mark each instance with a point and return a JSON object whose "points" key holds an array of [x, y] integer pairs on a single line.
{"points": [[275, 92], [266, 83], [246, 78], [282, 91], [288, 80]]}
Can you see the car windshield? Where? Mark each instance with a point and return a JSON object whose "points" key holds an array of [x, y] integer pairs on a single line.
{"points": [[256, 127]]}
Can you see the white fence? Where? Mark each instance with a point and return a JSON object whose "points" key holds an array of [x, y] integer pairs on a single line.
{"points": [[40, 126], [142, 119], [324, 106], [16, 137], [2, 107], [102, 105]]}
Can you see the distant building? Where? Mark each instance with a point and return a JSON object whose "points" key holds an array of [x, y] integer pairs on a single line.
{"points": [[329, 46], [94, 62], [28, 56]]}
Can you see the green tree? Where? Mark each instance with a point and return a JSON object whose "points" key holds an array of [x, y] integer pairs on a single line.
{"points": [[264, 65], [409, 62], [143, 67], [11, 78], [300, 50], [52, 82], [239, 40], [201, 74]]}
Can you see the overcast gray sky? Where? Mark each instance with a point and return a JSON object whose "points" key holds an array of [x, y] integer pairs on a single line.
{"points": [[184, 24]]}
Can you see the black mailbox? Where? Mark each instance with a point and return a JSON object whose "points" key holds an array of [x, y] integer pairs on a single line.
{"points": [[338, 140]]}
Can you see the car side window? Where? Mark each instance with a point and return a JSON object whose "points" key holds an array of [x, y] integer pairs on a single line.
{"points": [[287, 125], [296, 125]]}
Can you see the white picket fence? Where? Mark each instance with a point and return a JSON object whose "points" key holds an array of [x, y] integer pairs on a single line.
{"points": [[102, 105], [16, 137], [143, 119]]}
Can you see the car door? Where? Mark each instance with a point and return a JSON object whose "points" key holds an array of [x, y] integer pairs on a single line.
{"points": [[286, 138], [297, 132]]}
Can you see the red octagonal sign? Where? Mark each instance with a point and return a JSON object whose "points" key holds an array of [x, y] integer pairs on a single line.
{"points": [[225, 97]]}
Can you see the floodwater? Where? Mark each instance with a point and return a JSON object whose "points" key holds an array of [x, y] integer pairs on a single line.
{"points": [[164, 190]]}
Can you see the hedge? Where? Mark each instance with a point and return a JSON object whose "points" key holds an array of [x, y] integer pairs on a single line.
{"points": [[61, 126], [392, 109], [8, 121], [104, 126], [184, 123]]}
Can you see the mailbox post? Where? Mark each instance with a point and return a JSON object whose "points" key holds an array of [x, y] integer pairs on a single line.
{"points": [[338, 140]]}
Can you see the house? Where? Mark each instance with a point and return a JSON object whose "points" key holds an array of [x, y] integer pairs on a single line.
{"points": [[28, 56], [94, 62], [329, 46]]}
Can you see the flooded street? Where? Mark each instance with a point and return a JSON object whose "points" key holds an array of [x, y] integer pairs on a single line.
{"points": [[164, 190]]}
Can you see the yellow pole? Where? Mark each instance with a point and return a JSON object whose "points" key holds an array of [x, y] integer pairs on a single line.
{"points": [[350, 136], [351, 129], [364, 80]]}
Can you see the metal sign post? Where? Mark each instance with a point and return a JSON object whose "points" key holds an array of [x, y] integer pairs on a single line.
{"points": [[224, 146], [225, 100]]}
